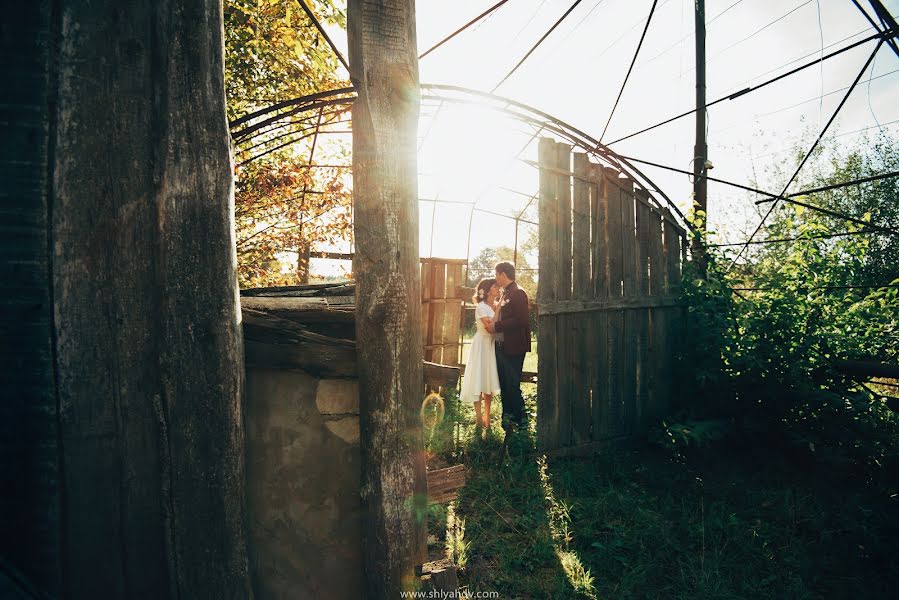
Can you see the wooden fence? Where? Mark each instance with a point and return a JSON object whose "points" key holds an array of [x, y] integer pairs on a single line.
{"points": [[441, 309], [610, 259]]}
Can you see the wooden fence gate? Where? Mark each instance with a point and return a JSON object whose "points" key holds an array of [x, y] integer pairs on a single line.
{"points": [[610, 260]]}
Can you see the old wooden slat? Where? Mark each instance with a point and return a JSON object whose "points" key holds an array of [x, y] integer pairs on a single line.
{"points": [[444, 484], [547, 396], [643, 371], [672, 252], [656, 256], [614, 237], [628, 360], [563, 194], [427, 337], [580, 383], [435, 375], [660, 360], [599, 243], [600, 360], [564, 379], [628, 237], [452, 314], [437, 320], [644, 242], [582, 288], [574, 306], [581, 281], [616, 374]]}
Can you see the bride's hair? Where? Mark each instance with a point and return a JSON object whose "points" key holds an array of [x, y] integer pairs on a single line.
{"points": [[480, 293]]}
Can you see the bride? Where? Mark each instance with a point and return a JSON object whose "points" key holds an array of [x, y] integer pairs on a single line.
{"points": [[481, 380]]}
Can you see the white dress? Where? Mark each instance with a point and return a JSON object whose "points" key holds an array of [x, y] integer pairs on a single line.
{"points": [[480, 371]]}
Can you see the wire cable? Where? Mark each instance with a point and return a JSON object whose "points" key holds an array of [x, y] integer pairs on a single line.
{"points": [[461, 29], [809, 153], [750, 89], [535, 46], [321, 30], [630, 68]]}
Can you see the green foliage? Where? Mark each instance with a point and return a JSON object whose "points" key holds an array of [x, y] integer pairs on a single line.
{"points": [[764, 334], [282, 207], [274, 53]]}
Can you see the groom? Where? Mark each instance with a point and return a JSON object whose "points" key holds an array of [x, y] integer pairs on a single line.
{"points": [[513, 340]]}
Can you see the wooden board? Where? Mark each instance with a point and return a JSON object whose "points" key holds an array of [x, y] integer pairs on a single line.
{"points": [[563, 195], [644, 244], [672, 252], [452, 316], [628, 237], [614, 232], [437, 310], [656, 256], [547, 395], [599, 224], [581, 281]]}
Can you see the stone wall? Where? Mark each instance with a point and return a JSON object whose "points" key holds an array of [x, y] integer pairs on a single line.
{"points": [[303, 472]]}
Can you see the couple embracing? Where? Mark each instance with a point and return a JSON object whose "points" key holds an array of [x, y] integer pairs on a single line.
{"points": [[502, 339]]}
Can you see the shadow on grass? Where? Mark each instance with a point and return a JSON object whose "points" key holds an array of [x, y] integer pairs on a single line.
{"points": [[517, 536], [639, 524], [650, 527]]}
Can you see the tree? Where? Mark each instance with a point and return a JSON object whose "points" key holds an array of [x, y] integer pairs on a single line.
{"points": [[483, 266], [384, 65], [283, 205], [129, 408], [279, 208]]}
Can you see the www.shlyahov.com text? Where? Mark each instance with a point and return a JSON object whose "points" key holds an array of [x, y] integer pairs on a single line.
{"points": [[449, 594]]}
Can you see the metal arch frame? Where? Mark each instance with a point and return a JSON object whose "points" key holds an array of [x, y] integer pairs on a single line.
{"points": [[248, 126]]}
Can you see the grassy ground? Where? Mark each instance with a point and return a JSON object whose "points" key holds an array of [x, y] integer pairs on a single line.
{"points": [[647, 524]]}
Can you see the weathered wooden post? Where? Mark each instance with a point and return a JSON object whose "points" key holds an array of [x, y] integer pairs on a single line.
{"points": [[125, 478], [384, 70]]}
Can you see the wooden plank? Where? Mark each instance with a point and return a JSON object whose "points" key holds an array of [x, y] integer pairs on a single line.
{"points": [[564, 358], [438, 311], [599, 224], [444, 261], [576, 306], [614, 232], [581, 281], [563, 194], [672, 255], [580, 383], [629, 361], [643, 372], [437, 375], [628, 238], [600, 363], [644, 218], [656, 257], [548, 226], [547, 396], [547, 289], [426, 335], [660, 360], [616, 348], [452, 315]]}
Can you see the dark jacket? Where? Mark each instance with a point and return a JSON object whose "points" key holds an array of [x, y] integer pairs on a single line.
{"points": [[514, 322]]}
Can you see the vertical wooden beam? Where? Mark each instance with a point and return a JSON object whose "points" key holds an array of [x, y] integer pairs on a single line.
{"points": [[453, 310], [581, 324], [581, 281], [384, 72], [599, 220], [547, 286]]}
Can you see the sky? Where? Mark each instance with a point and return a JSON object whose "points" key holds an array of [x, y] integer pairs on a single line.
{"points": [[467, 154]]}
